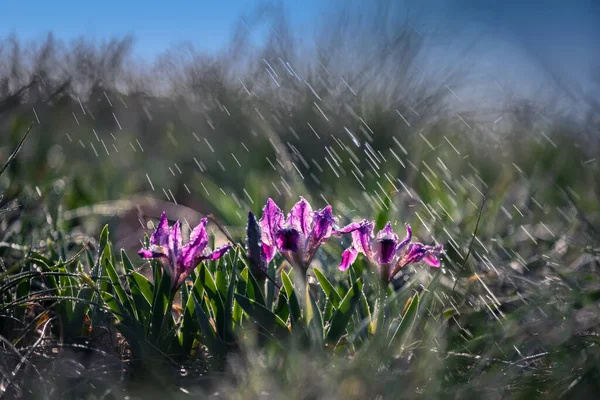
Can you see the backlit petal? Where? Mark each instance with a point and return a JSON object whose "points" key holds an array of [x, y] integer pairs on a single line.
{"points": [[217, 253], [323, 221], [192, 252], [300, 217], [361, 238], [432, 260], [160, 236], [175, 247], [348, 258], [270, 222], [351, 227], [268, 252], [387, 233], [406, 239], [385, 245]]}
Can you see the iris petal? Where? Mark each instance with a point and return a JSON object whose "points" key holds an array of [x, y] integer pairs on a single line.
{"points": [[406, 239], [348, 258], [322, 228], [351, 227], [361, 238], [432, 260], [191, 253], [217, 253], [323, 222], [160, 236], [268, 251], [300, 217], [387, 233], [270, 222]]}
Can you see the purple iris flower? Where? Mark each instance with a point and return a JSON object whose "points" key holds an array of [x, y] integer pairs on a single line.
{"points": [[179, 261], [297, 237], [386, 250]]}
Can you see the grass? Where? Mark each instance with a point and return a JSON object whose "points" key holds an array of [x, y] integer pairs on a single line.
{"points": [[512, 313]]}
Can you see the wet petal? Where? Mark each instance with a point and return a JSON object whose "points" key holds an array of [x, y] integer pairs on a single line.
{"points": [[192, 252], [406, 239], [433, 255], [268, 252], [361, 238], [199, 233], [270, 222], [349, 228], [287, 239], [416, 252], [432, 260], [387, 233], [160, 236], [348, 258], [385, 245], [300, 217], [323, 221], [153, 252], [217, 253], [174, 245], [144, 253], [322, 228]]}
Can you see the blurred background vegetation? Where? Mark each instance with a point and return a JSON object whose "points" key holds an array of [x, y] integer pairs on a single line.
{"points": [[351, 120]]}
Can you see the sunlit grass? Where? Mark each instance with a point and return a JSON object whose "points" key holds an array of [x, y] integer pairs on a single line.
{"points": [[511, 313]]}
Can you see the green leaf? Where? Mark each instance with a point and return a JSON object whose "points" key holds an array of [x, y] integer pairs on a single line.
{"points": [[127, 265], [115, 306], [314, 319], [16, 150], [228, 317], [327, 310], [330, 292], [89, 259], [160, 307], [270, 285], [103, 240], [208, 332], [253, 290], [81, 309], [141, 290], [216, 301], [142, 283], [407, 322], [209, 285], [221, 282], [189, 325], [295, 311], [282, 309], [117, 285], [344, 312], [262, 316]]}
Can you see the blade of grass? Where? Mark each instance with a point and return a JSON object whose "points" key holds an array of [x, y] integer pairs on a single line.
{"points": [[17, 149]]}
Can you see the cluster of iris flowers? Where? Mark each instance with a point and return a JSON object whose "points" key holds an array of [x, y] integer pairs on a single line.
{"points": [[297, 237]]}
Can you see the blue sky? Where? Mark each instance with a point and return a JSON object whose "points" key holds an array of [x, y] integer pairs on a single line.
{"points": [[155, 24], [513, 36]]}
